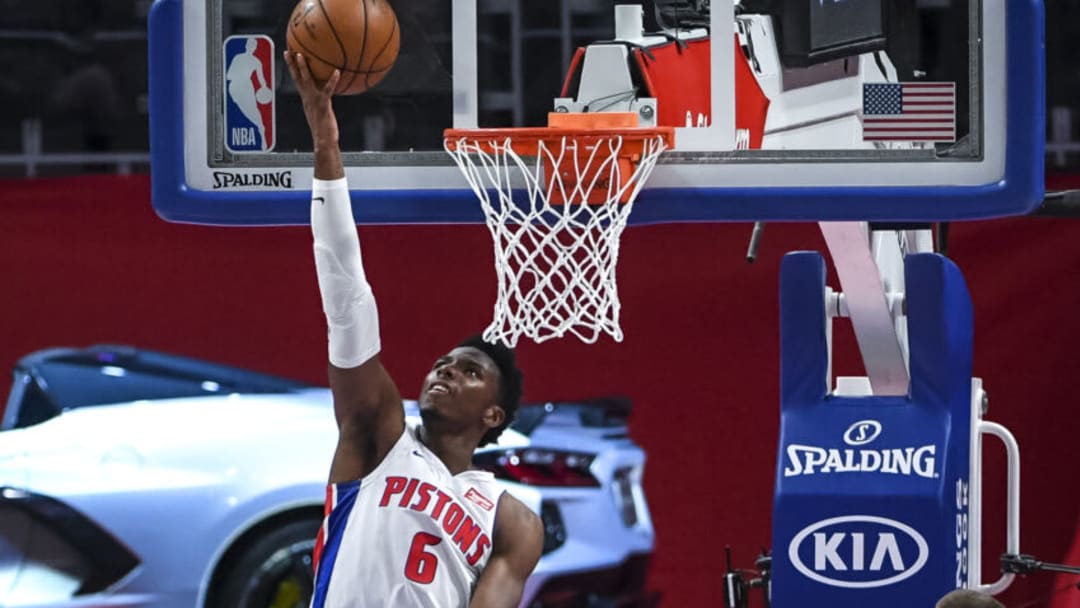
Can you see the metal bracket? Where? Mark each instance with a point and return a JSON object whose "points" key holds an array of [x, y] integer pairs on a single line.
{"points": [[870, 267]]}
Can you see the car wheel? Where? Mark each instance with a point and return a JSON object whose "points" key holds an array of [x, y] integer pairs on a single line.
{"points": [[273, 571]]}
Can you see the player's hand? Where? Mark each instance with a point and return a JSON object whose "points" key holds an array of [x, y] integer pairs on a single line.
{"points": [[316, 98]]}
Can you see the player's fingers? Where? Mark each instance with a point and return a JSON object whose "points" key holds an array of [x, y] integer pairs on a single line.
{"points": [[331, 83], [290, 62], [294, 68], [302, 69]]}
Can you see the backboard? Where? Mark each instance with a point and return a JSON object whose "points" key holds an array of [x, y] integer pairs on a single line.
{"points": [[886, 110]]}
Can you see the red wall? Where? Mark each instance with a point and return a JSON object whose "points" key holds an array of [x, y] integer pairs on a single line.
{"points": [[85, 260]]}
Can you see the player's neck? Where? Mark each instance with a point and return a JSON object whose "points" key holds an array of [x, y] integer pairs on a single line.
{"points": [[455, 451]]}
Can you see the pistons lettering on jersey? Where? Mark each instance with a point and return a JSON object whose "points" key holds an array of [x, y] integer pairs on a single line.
{"points": [[425, 497]]}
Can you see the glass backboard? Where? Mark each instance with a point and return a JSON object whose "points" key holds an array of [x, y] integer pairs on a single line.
{"points": [[898, 110]]}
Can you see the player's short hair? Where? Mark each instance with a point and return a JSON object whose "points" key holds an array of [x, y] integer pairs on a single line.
{"points": [[968, 598], [510, 381]]}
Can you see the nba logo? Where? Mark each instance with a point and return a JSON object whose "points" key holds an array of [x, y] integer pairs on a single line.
{"points": [[249, 94]]}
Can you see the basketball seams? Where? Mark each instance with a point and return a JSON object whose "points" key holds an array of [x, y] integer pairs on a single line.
{"points": [[369, 72], [307, 50], [343, 85], [363, 41], [340, 43], [385, 46], [333, 30], [309, 54]]}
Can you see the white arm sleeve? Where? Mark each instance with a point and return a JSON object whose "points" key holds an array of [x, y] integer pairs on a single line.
{"points": [[348, 302]]}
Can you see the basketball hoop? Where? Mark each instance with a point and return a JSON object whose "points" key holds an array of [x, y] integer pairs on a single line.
{"points": [[556, 201]]}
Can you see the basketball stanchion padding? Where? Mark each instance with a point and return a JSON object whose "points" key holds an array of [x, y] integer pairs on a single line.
{"points": [[556, 200]]}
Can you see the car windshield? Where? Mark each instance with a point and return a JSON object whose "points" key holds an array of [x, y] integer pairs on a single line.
{"points": [[603, 413], [49, 382]]}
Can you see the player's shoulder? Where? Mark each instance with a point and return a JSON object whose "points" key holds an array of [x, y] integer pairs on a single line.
{"points": [[515, 518], [519, 534]]}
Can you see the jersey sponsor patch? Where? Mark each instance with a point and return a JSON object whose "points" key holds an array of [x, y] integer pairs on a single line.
{"points": [[249, 94], [475, 496]]}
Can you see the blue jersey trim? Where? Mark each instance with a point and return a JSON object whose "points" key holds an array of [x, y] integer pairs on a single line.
{"points": [[339, 516]]}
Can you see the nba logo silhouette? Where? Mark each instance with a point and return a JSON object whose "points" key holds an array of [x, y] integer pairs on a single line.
{"points": [[249, 94]]}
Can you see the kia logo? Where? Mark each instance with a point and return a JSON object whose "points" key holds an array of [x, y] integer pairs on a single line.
{"points": [[862, 432], [858, 551]]}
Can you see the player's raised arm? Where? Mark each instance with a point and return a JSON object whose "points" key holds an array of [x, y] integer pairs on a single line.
{"points": [[367, 404]]}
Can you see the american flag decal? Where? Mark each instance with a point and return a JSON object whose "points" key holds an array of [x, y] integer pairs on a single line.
{"points": [[909, 111]]}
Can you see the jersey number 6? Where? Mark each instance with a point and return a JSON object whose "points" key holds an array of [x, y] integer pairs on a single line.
{"points": [[421, 565]]}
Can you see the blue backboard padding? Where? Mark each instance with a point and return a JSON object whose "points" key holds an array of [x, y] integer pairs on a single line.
{"points": [[937, 412], [940, 329], [804, 349], [939, 319], [1018, 192]]}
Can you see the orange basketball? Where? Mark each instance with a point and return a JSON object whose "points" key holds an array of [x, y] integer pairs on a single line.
{"points": [[359, 37]]}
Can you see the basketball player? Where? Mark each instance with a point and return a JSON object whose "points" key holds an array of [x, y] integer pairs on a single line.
{"points": [[408, 522]]}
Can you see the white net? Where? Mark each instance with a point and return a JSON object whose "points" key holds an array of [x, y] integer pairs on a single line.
{"points": [[556, 219]]}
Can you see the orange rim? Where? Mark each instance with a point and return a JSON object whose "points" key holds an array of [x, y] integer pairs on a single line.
{"points": [[587, 131], [589, 128]]}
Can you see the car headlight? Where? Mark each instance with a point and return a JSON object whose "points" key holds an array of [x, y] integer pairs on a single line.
{"points": [[50, 552]]}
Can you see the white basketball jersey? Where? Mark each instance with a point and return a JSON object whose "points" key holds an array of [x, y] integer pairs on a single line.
{"points": [[408, 534]]}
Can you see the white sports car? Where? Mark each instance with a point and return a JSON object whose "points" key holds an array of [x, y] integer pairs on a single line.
{"points": [[138, 478]]}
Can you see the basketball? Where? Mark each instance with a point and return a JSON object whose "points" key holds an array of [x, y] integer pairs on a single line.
{"points": [[359, 37]]}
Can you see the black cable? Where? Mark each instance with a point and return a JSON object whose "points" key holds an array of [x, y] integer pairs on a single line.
{"points": [[1061, 203], [943, 238], [1026, 564], [611, 98]]}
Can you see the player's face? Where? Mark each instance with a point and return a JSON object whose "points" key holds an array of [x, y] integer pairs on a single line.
{"points": [[462, 386]]}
